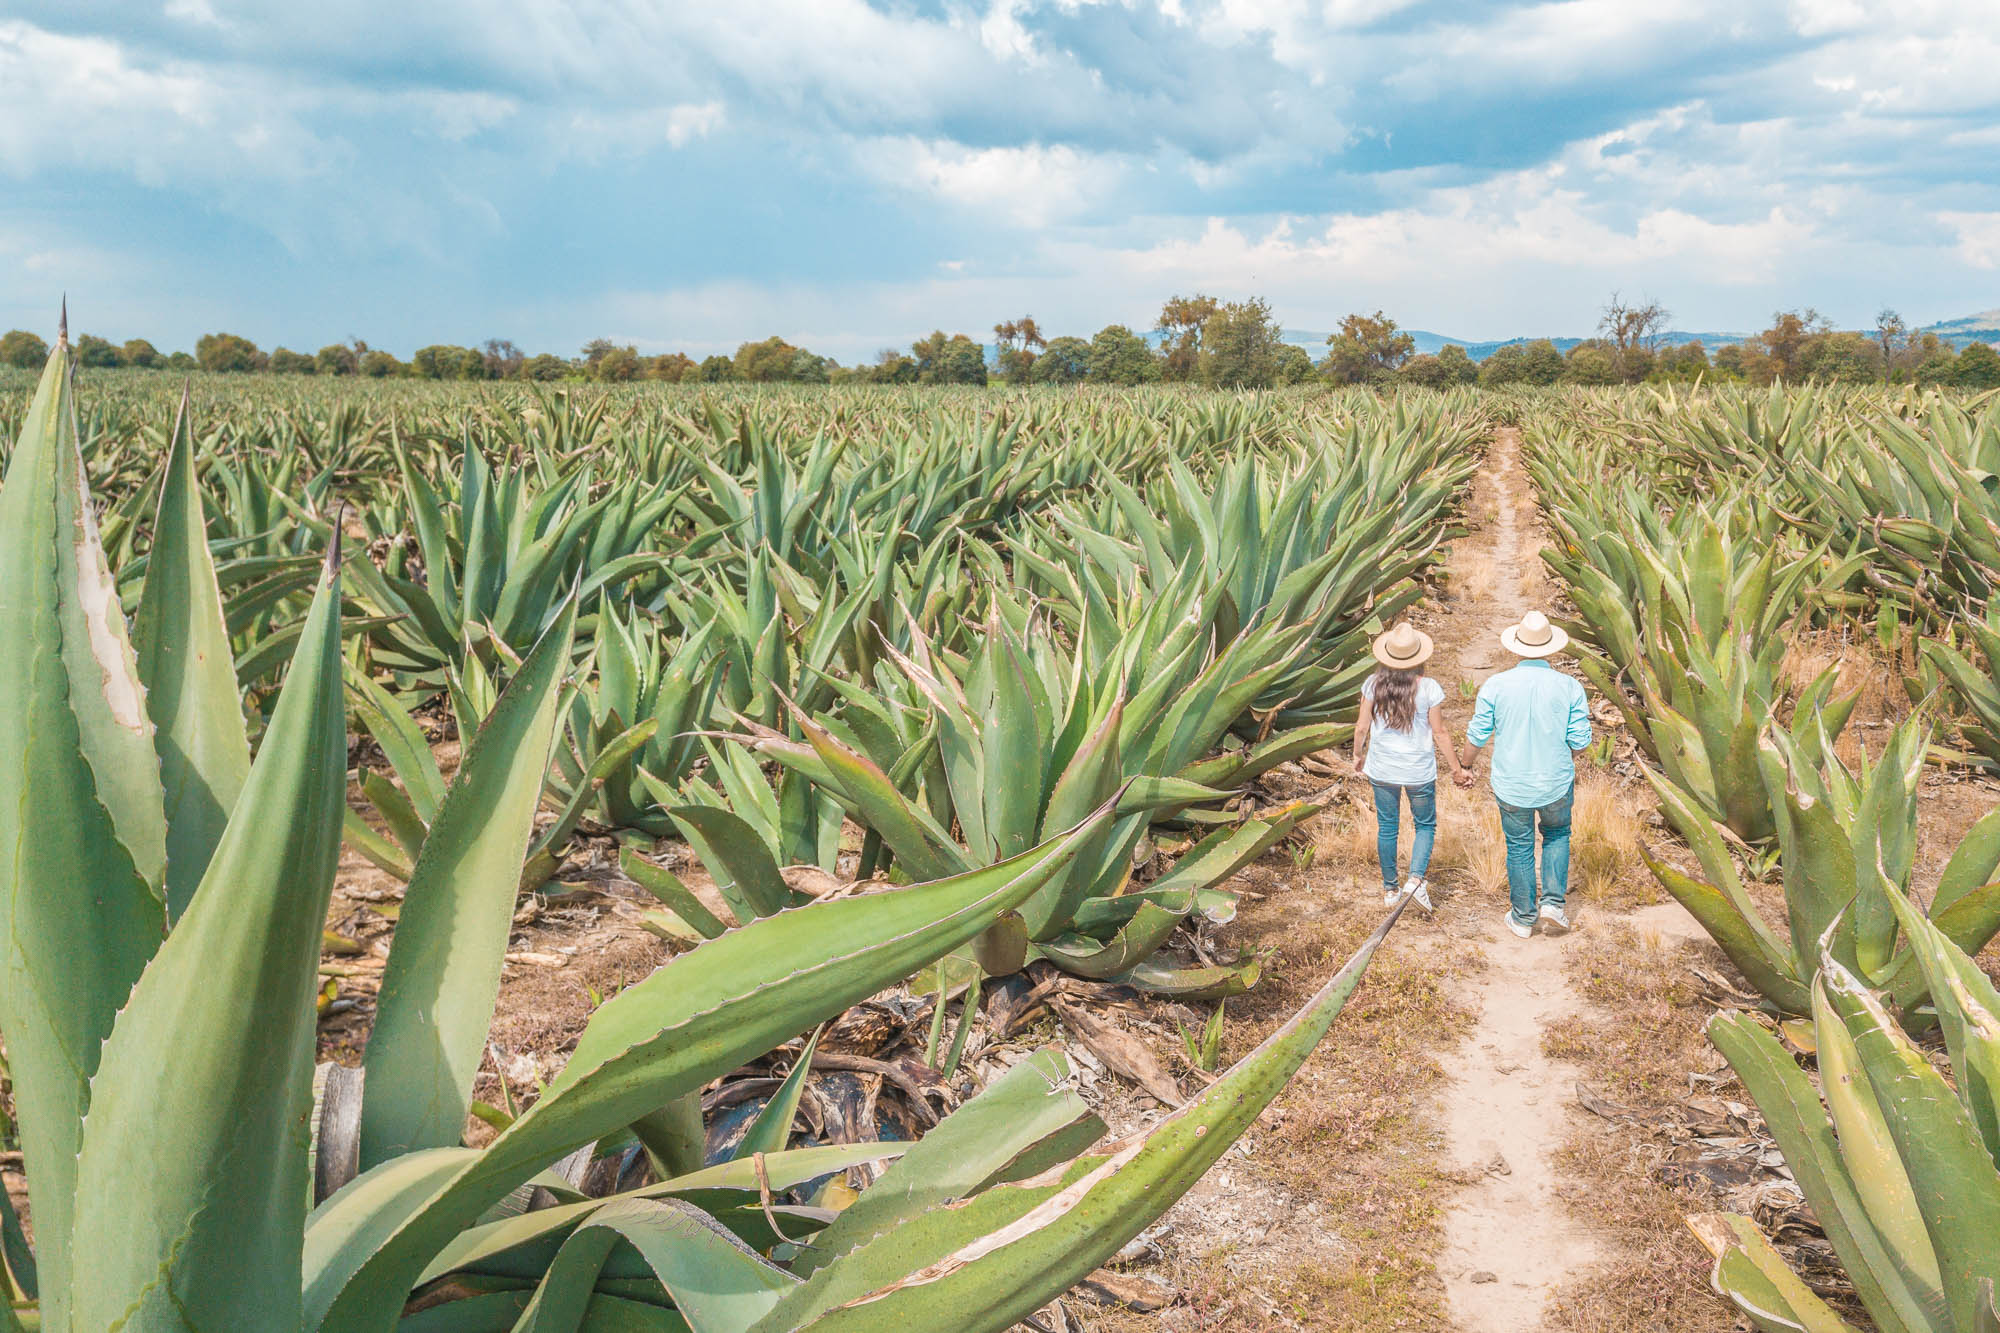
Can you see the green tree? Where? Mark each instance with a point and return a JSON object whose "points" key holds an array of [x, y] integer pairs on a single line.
{"points": [[503, 359], [1940, 366], [1593, 361], [1631, 332], [1843, 358], [139, 354], [671, 368], [1294, 364], [1181, 321], [1785, 341], [892, 367], [22, 348], [716, 370], [227, 354], [1018, 342], [284, 361], [337, 359], [616, 366], [378, 365], [1367, 349], [1425, 371], [1120, 356], [1978, 367], [1892, 335], [1459, 367], [1063, 361], [1239, 346], [811, 368], [1536, 362], [182, 362], [95, 353], [953, 360], [1685, 363], [439, 361], [544, 366], [768, 362]]}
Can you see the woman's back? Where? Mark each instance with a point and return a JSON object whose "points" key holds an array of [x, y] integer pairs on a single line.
{"points": [[1403, 756]]}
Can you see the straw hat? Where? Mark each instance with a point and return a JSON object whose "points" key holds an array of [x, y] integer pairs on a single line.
{"points": [[1534, 637], [1403, 647]]}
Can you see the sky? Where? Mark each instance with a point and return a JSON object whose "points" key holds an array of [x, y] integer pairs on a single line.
{"points": [[850, 175]]}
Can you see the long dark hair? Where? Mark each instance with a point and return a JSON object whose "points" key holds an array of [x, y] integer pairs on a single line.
{"points": [[1396, 697]]}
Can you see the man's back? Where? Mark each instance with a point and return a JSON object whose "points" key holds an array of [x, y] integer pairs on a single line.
{"points": [[1535, 716]]}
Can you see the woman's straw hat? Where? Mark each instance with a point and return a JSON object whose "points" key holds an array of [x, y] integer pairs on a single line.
{"points": [[1534, 637], [1403, 647]]}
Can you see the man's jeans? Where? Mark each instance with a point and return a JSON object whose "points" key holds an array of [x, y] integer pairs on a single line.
{"points": [[1389, 824], [1519, 826]]}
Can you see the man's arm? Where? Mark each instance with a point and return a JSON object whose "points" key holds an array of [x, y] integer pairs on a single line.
{"points": [[1478, 733], [1578, 731]]}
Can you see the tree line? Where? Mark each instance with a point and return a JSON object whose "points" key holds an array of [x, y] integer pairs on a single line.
{"points": [[1196, 339]]}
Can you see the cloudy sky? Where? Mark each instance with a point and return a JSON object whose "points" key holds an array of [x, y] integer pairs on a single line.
{"points": [[851, 174]]}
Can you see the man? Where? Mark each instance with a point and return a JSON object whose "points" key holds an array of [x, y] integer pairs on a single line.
{"points": [[1537, 718]]}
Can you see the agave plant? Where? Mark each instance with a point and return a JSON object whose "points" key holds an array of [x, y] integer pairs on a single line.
{"points": [[114, 1029], [1898, 1164], [498, 560], [1846, 847], [1690, 614], [1019, 740]]}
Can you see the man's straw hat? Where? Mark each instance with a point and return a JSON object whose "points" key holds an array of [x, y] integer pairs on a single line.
{"points": [[1404, 647], [1534, 637]]}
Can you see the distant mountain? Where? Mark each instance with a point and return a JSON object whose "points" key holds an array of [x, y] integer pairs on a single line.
{"points": [[1981, 328]]}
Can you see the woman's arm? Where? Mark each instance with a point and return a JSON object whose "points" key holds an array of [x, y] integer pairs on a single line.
{"points": [[1361, 727], [1441, 737]]}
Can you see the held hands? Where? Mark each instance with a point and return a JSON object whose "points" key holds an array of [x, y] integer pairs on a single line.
{"points": [[1463, 778]]}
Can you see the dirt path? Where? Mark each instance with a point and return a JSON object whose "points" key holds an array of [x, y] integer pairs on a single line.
{"points": [[1508, 1239]]}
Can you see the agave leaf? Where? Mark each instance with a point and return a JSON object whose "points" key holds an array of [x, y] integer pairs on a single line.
{"points": [[1792, 1110], [1749, 1275], [1770, 970], [712, 1189], [443, 974], [185, 660], [1948, 1164], [208, 1234], [1029, 1111], [698, 1016], [81, 892], [745, 874], [1868, 1149], [1973, 864], [718, 1284], [667, 887], [772, 1129], [1207, 982], [987, 1262], [1968, 1009]]}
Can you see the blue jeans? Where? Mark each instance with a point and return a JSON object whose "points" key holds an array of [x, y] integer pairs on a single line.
{"points": [[1519, 825], [1389, 826]]}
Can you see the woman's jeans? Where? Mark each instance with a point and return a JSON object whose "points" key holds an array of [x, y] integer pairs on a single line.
{"points": [[1389, 824], [1519, 825]]}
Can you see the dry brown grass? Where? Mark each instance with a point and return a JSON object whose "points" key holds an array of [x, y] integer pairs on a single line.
{"points": [[1604, 843], [1352, 1134], [1859, 664], [1636, 1045]]}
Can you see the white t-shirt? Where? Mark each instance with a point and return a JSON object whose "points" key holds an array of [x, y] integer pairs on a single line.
{"points": [[1404, 758]]}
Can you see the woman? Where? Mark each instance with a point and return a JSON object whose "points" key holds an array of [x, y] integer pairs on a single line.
{"points": [[1396, 744]]}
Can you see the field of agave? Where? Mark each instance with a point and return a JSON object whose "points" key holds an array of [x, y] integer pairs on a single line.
{"points": [[1709, 538], [914, 678]]}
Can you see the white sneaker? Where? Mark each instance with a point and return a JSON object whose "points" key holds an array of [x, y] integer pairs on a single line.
{"points": [[1523, 931], [1553, 918], [1419, 888], [1391, 895]]}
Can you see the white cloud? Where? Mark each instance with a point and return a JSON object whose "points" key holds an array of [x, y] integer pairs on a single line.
{"points": [[1978, 237], [1032, 185]]}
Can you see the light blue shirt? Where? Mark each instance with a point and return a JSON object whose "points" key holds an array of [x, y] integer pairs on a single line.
{"points": [[1535, 716]]}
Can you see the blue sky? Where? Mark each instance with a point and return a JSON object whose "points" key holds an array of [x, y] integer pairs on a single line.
{"points": [[852, 174]]}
